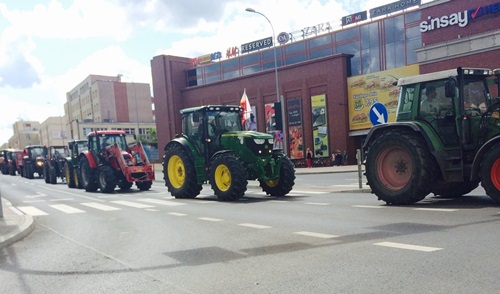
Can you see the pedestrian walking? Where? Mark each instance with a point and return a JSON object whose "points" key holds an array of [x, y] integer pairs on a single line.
{"points": [[309, 156]]}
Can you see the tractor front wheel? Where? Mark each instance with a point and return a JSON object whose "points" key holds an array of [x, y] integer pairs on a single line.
{"points": [[52, 175], [70, 176], [399, 168], [284, 184], [228, 177], [88, 177], [144, 186], [490, 173], [46, 172], [106, 179], [180, 173]]}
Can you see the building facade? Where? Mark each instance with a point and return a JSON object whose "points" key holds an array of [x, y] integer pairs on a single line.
{"points": [[329, 79]]}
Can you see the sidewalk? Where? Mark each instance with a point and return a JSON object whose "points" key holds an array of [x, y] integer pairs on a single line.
{"points": [[14, 225]]}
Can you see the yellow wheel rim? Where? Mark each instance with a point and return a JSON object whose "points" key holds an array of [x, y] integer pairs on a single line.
{"points": [[222, 178], [75, 175], [272, 183], [66, 169], [176, 171]]}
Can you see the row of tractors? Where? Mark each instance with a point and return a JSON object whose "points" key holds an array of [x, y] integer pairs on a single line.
{"points": [[103, 161]]}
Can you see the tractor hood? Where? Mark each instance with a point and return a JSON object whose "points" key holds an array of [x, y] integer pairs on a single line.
{"points": [[247, 134]]}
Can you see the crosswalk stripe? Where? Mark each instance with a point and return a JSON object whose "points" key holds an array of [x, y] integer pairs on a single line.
{"points": [[132, 204], [100, 206], [316, 203], [210, 219], [255, 226], [437, 209], [408, 246], [317, 235], [66, 208], [163, 202], [31, 210]]}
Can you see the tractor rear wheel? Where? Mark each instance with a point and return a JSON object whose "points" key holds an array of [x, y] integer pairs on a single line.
{"points": [[399, 168], [52, 175], [180, 173], [77, 176], [88, 177], [46, 172], [144, 186], [228, 177], [70, 176], [106, 179], [490, 173], [284, 184]]}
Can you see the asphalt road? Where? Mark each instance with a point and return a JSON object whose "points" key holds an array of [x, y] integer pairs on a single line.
{"points": [[313, 241]]}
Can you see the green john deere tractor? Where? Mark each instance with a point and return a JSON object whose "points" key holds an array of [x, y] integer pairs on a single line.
{"points": [[445, 141], [214, 148]]}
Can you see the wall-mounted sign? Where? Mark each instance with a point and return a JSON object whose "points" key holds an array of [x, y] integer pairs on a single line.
{"points": [[232, 52], [283, 38], [317, 29], [460, 18], [393, 7], [256, 45], [206, 58], [354, 18]]}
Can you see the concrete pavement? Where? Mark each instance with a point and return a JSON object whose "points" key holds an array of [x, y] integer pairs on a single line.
{"points": [[14, 225]]}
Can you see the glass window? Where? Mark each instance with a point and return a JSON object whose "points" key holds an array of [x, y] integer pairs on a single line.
{"points": [[249, 59], [232, 74], [369, 35], [413, 32], [295, 47], [230, 64], [347, 34], [212, 78], [351, 48], [370, 60], [394, 29], [411, 46], [394, 55], [212, 68], [320, 41], [321, 53], [413, 17], [252, 69], [295, 59]]}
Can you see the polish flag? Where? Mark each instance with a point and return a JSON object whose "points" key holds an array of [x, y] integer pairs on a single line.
{"points": [[245, 104]]}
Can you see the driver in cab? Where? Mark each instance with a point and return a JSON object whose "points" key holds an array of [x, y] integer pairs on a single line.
{"points": [[432, 104]]}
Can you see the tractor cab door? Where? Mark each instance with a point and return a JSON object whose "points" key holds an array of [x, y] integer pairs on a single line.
{"points": [[439, 111]]}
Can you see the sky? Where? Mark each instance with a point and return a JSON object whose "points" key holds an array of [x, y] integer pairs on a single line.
{"points": [[48, 47]]}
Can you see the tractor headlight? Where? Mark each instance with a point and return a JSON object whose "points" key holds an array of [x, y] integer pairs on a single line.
{"points": [[259, 141], [39, 163]]}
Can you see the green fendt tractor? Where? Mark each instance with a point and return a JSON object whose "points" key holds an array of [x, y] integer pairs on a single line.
{"points": [[73, 177], [214, 148], [445, 141]]}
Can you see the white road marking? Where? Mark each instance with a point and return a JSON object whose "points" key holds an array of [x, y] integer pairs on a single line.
{"points": [[308, 192], [255, 226], [31, 210], [177, 214], [132, 204], [152, 209], [436, 209], [163, 202], [316, 203], [66, 208], [38, 194], [33, 201], [210, 219], [64, 199], [100, 206], [367, 206], [317, 235], [408, 246]]}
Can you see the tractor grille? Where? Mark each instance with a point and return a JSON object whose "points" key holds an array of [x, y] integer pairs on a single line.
{"points": [[260, 148]]}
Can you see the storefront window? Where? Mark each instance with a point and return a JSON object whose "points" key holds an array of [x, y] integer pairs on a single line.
{"points": [[230, 64], [320, 41], [347, 34], [321, 53], [295, 48], [249, 59], [251, 69]]}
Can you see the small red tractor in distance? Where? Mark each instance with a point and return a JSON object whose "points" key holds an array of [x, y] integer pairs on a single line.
{"points": [[31, 161], [109, 162]]}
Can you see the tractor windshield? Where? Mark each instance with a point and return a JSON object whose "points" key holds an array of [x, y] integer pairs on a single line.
{"points": [[37, 151], [59, 151], [110, 140], [225, 121]]}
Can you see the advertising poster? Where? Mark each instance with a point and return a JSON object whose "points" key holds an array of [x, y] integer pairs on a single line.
{"points": [[294, 111], [320, 128], [269, 117], [366, 90]]}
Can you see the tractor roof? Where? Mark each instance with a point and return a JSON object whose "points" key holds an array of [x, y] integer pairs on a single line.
{"points": [[443, 75], [228, 108], [104, 133]]}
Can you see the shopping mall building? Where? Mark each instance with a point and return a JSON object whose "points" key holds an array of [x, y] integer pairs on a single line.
{"points": [[329, 74]]}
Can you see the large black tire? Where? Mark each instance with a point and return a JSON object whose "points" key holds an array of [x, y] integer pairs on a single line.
{"points": [[30, 172], [106, 179], [453, 190], [52, 175], [12, 170], [77, 176], [284, 184], [88, 176], [46, 172], [70, 175], [228, 177], [180, 173], [124, 185], [399, 168], [490, 173], [144, 186]]}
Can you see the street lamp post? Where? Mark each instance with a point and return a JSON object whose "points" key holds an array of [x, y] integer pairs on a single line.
{"points": [[275, 75]]}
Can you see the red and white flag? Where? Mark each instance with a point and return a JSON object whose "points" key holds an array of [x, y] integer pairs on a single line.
{"points": [[247, 110]]}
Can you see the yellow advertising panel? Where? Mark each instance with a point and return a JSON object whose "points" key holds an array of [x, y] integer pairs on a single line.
{"points": [[366, 90]]}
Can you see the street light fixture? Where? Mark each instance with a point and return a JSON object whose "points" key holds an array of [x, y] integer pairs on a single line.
{"points": [[275, 75]]}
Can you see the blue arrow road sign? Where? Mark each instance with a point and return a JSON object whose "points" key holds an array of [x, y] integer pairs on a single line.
{"points": [[378, 114]]}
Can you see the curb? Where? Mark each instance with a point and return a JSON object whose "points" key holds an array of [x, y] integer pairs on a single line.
{"points": [[24, 226]]}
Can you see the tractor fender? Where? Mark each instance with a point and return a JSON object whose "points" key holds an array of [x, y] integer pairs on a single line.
{"points": [[90, 158], [219, 153], [478, 159], [379, 129], [185, 143]]}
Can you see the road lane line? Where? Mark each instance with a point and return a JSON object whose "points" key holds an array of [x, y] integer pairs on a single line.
{"points": [[31, 210], [177, 214], [210, 219], [436, 209], [163, 202], [317, 235], [64, 199], [100, 206], [367, 206], [132, 204], [408, 246], [66, 208], [317, 203], [255, 226]]}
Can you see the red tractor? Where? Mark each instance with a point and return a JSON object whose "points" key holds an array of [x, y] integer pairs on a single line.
{"points": [[109, 162]]}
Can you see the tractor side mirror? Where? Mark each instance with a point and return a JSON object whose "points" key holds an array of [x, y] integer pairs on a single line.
{"points": [[450, 87]]}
